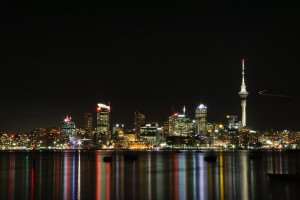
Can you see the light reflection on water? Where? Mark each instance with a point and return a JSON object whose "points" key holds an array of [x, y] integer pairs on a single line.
{"points": [[164, 175]]}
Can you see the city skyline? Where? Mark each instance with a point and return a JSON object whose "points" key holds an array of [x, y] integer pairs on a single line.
{"points": [[174, 109], [56, 62], [149, 100]]}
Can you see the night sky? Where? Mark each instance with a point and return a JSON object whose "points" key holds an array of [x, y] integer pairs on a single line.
{"points": [[62, 57]]}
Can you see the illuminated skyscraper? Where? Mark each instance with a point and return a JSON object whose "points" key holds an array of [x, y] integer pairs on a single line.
{"points": [[68, 127], [151, 133], [88, 121], [201, 119], [139, 121], [166, 129], [233, 122], [103, 120], [243, 94], [118, 131], [180, 125]]}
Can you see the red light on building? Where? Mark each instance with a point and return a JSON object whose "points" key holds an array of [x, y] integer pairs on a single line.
{"points": [[68, 119], [103, 106], [98, 109]]}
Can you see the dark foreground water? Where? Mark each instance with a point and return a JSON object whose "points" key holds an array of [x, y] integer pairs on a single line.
{"points": [[164, 175]]}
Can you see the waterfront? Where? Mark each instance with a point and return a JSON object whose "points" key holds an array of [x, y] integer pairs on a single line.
{"points": [[154, 175]]}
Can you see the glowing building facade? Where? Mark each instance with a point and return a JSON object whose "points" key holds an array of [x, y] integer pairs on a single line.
{"points": [[118, 131], [180, 125], [151, 133], [103, 120], [139, 121], [88, 121], [68, 127], [233, 122], [201, 119]]}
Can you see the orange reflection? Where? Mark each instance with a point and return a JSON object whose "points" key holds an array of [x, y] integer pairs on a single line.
{"points": [[98, 177], [108, 172], [222, 176]]}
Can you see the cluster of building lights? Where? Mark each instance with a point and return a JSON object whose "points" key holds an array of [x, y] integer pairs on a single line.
{"points": [[179, 131]]}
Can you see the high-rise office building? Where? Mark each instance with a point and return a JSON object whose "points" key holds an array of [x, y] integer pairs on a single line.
{"points": [[68, 127], [151, 133], [233, 123], [201, 119], [118, 131], [172, 121], [166, 129], [139, 121], [103, 120], [233, 127], [243, 95], [180, 125], [88, 121]]}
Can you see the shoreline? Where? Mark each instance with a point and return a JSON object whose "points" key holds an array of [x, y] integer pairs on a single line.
{"points": [[144, 151]]}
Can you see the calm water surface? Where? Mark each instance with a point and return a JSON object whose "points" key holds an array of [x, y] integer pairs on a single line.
{"points": [[164, 175]]}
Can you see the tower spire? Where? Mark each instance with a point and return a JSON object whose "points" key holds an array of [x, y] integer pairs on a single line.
{"points": [[243, 86], [184, 110], [243, 95]]}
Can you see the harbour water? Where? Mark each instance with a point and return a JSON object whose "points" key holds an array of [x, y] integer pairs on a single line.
{"points": [[153, 175]]}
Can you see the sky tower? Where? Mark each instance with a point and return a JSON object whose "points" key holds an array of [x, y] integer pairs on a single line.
{"points": [[243, 94]]}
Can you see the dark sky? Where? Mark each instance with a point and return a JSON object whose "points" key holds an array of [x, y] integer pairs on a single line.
{"points": [[62, 57]]}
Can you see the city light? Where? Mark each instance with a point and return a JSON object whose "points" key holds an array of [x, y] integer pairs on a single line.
{"points": [[181, 130], [102, 106]]}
